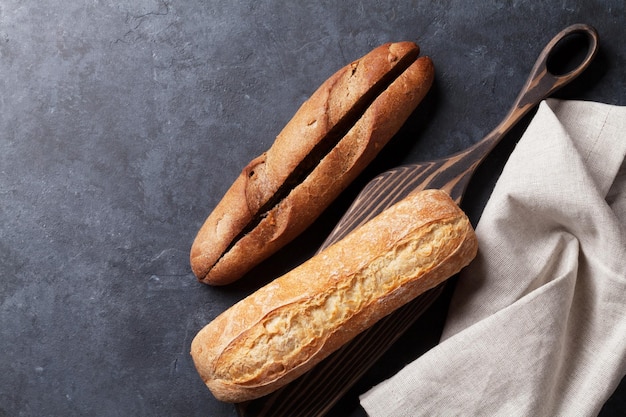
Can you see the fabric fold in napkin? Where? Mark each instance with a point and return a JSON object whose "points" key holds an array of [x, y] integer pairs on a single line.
{"points": [[537, 322]]}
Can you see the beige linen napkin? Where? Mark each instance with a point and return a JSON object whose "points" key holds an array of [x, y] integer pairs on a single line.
{"points": [[537, 324]]}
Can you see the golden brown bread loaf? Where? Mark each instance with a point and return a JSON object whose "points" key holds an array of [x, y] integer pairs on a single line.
{"points": [[286, 327], [328, 142]]}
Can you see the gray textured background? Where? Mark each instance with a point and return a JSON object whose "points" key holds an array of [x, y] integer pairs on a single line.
{"points": [[123, 122]]}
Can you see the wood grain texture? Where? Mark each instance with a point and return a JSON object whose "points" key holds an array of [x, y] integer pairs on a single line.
{"points": [[316, 392]]}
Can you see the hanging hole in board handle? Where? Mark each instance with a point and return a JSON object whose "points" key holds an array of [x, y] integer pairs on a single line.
{"points": [[573, 50], [542, 81]]}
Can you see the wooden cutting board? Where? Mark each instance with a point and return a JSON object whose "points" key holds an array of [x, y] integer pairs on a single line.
{"points": [[315, 393]]}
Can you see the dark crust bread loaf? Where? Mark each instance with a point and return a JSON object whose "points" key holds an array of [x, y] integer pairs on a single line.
{"points": [[332, 137], [285, 328]]}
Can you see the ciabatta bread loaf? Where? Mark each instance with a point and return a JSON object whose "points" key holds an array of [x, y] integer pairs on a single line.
{"points": [[328, 142], [286, 327]]}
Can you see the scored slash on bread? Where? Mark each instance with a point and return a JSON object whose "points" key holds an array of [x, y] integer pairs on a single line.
{"points": [[332, 137]]}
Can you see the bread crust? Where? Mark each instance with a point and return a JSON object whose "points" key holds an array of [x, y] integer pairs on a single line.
{"points": [[280, 193], [288, 326]]}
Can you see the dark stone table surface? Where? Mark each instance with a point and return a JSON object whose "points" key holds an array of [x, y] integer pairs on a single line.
{"points": [[122, 123]]}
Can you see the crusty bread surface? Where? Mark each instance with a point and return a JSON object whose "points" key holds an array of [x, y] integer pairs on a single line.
{"points": [[328, 142], [285, 328]]}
